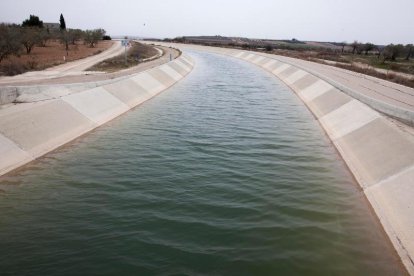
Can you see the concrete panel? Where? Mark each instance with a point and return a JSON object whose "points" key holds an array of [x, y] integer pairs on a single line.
{"points": [[280, 69], [128, 92], [258, 59], [149, 83], [162, 77], [97, 104], [304, 82], [44, 127], [180, 69], [171, 72], [376, 151], [314, 90], [250, 57], [244, 55], [287, 73], [186, 61], [271, 65], [237, 54], [394, 200], [328, 102], [11, 155], [263, 61], [299, 74], [183, 65], [347, 118]]}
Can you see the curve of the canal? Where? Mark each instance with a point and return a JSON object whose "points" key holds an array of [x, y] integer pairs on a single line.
{"points": [[226, 173]]}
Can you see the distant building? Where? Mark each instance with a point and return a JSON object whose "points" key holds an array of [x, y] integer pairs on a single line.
{"points": [[51, 26]]}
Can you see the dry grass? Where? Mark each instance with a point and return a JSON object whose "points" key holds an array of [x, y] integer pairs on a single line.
{"points": [[51, 55], [135, 55], [386, 76]]}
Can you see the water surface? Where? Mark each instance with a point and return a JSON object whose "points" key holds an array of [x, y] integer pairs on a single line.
{"points": [[227, 173]]}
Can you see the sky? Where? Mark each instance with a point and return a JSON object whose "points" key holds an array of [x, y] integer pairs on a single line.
{"points": [[376, 21]]}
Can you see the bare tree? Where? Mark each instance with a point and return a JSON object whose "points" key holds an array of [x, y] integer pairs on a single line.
{"points": [[44, 37], [93, 36], [75, 35], [65, 39], [368, 47], [354, 45], [343, 44], [410, 51], [9, 41], [392, 51], [29, 38]]}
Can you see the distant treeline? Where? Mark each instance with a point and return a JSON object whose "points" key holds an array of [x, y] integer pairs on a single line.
{"points": [[389, 52]]}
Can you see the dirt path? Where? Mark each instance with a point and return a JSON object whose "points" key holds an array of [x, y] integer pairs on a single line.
{"points": [[73, 76], [76, 67]]}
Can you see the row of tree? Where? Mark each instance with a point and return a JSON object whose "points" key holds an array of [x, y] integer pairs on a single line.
{"points": [[389, 52], [31, 33]]}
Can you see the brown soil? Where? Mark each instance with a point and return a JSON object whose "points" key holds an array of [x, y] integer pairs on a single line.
{"points": [[51, 55]]}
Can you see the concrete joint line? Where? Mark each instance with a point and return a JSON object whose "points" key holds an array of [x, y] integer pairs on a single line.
{"points": [[391, 178], [402, 114], [348, 118]]}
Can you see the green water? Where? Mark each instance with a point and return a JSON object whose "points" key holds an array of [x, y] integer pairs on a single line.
{"points": [[226, 173]]}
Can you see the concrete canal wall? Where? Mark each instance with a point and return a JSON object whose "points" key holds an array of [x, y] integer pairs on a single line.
{"points": [[379, 154], [54, 115]]}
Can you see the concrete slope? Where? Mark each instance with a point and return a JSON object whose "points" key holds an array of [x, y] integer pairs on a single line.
{"points": [[378, 152], [30, 130]]}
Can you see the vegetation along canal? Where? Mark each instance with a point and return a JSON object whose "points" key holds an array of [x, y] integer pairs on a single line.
{"points": [[225, 173]]}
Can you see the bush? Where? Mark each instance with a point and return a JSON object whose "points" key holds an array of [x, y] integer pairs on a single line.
{"points": [[10, 41], [106, 37], [14, 68]]}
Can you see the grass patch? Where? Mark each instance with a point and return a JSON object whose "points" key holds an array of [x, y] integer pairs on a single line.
{"points": [[136, 54]]}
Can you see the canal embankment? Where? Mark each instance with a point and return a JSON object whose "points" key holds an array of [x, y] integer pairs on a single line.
{"points": [[53, 115], [378, 152]]}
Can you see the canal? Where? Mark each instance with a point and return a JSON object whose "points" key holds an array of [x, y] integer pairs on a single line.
{"points": [[226, 173]]}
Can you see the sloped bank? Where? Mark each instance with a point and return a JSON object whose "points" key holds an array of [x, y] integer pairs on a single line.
{"points": [[379, 154], [30, 130]]}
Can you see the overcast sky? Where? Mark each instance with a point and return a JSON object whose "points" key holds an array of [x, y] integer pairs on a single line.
{"points": [[377, 21]]}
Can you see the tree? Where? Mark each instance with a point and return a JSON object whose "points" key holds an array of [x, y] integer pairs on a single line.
{"points": [[393, 51], [65, 39], [368, 47], [29, 38], [33, 21], [410, 51], [343, 44], [62, 22], [9, 41], [75, 35], [93, 36], [44, 37], [354, 46]]}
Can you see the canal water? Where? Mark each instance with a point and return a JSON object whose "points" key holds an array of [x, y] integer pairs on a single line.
{"points": [[226, 173]]}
